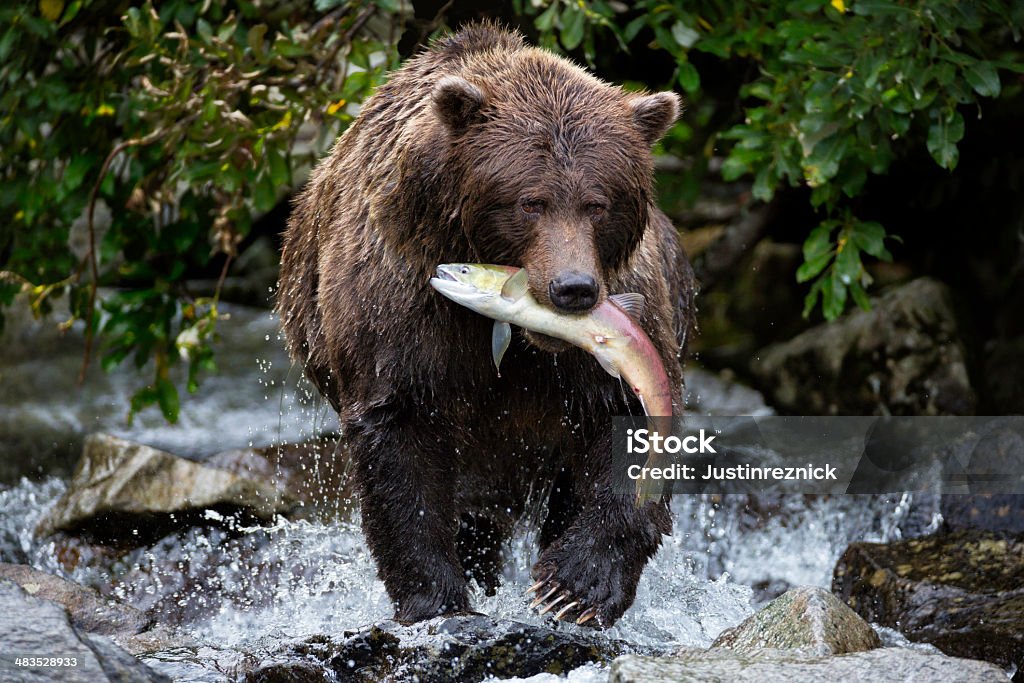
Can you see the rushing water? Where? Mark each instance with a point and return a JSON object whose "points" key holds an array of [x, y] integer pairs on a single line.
{"points": [[244, 589]]}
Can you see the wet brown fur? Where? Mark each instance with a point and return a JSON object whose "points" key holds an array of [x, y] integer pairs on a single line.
{"points": [[438, 168]]}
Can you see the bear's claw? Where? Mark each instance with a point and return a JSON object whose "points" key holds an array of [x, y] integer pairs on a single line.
{"points": [[552, 587], [541, 598]]}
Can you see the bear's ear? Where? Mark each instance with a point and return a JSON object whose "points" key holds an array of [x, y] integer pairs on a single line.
{"points": [[458, 102], [654, 114]]}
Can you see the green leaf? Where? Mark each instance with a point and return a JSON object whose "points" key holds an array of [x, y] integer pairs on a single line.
{"points": [[833, 299], [689, 79], [141, 399], [811, 300], [733, 168], [255, 40], [860, 296], [547, 18], [280, 174], [943, 134], [167, 398], [264, 195], [848, 265], [633, 28], [869, 236], [819, 241], [684, 35], [810, 269], [984, 78], [572, 28]]}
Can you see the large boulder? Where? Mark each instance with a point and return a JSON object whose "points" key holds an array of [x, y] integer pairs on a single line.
{"points": [[127, 492], [40, 643], [903, 357], [806, 618], [786, 666], [962, 592]]}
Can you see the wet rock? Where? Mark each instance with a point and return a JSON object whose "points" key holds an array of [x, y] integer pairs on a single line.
{"points": [[315, 473], [786, 666], [903, 357], [807, 618], [33, 627], [996, 466], [127, 492], [462, 648], [961, 592], [87, 610], [992, 512]]}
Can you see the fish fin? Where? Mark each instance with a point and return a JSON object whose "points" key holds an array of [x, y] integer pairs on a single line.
{"points": [[607, 365], [515, 287], [632, 303], [501, 335]]}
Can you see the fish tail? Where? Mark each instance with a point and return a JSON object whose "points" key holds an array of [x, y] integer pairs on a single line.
{"points": [[650, 490]]}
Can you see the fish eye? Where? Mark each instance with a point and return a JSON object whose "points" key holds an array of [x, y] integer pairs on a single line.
{"points": [[464, 270]]}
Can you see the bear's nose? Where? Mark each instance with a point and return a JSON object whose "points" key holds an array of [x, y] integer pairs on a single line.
{"points": [[573, 291]]}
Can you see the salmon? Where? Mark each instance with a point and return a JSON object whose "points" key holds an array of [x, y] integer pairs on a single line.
{"points": [[610, 332]]}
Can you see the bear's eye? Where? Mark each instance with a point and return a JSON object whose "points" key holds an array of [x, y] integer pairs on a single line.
{"points": [[532, 207], [596, 211]]}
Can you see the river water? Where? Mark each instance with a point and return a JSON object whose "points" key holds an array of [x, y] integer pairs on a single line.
{"points": [[244, 590]]}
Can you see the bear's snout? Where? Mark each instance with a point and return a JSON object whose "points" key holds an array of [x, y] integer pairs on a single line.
{"points": [[573, 291]]}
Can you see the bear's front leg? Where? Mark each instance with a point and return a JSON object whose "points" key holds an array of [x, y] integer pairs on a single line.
{"points": [[591, 571], [409, 521]]}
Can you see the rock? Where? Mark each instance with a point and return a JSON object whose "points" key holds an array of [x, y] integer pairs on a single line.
{"points": [[786, 666], [992, 512], [314, 472], [461, 648], [127, 492], [87, 610], [33, 627], [807, 618], [962, 592], [903, 357], [996, 467]]}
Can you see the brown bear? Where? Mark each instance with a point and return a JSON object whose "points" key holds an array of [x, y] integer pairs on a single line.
{"points": [[484, 149]]}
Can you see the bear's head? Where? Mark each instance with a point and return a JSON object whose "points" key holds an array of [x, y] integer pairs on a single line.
{"points": [[554, 171]]}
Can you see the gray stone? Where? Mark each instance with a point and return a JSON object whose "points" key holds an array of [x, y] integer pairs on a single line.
{"points": [[903, 357], [88, 611], [787, 666], [807, 618], [31, 627], [119, 484]]}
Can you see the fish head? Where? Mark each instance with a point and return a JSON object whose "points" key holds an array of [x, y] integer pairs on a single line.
{"points": [[476, 286]]}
